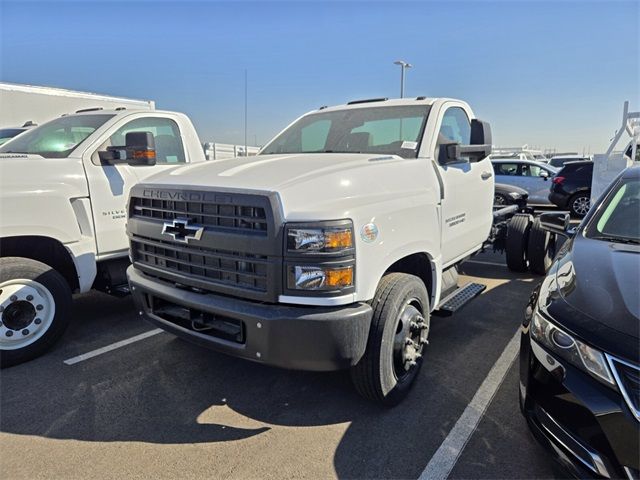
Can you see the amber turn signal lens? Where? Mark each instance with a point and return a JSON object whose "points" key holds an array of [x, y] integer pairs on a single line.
{"points": [[144, 154], [338, 239], [339, 277]]}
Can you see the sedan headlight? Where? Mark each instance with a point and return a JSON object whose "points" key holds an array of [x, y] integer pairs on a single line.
{"points": [[570, 348]]}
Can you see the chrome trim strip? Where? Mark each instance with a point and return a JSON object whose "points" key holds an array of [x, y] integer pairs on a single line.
{"points": [[611, 360], [597, 464]]}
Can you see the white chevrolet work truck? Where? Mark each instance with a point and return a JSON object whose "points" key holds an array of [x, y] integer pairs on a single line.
{"points": [[330, 249], [63, 195]]}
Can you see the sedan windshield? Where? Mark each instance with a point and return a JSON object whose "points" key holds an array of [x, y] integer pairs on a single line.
{"points": [[379, 130], [617, 220], [57, 138]]}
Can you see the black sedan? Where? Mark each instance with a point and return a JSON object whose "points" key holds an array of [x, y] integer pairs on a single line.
{"points": [[508, 194], [580, 345]]}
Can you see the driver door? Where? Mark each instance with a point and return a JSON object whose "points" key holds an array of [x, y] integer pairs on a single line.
{"points": [[468, 190], [109, 185]]}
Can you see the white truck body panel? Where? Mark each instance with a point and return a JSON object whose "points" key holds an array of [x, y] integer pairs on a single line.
{"points": [[77, 200], [23, 103], [418, 205]]}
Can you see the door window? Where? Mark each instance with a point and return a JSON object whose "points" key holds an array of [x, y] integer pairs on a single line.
{"points": [[455, 128], [529, 170], [510, 169], [169, 148]]}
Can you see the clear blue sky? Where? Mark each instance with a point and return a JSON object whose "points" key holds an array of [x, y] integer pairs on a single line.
{"points": [[553, 74]]}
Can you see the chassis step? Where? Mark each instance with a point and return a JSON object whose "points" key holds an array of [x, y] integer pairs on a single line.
{"points": [[458, 299]]}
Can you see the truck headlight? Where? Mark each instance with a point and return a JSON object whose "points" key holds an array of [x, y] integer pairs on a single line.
{"points": [[320, 277], [320, 258], [324, 237], [570, 348]]}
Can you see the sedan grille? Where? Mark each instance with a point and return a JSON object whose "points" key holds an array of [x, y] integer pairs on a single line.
{"points": [[627, 377]]}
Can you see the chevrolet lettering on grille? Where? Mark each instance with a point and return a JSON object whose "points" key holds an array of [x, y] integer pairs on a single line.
{"points": [[182, 231]]}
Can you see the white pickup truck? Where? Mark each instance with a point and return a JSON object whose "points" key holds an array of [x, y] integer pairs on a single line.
{"points": [[63, 194], [328, 250]]}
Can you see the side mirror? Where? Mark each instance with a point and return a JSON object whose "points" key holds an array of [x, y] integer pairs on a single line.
{"points": [[139, 149], [544, 175], [475, 153], [556, 222]]}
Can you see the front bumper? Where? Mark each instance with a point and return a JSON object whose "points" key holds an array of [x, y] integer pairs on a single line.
{"points": [[585, 424], [295, 337]]}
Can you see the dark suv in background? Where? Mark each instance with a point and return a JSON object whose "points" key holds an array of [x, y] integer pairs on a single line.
{"points": [[571, 187]]}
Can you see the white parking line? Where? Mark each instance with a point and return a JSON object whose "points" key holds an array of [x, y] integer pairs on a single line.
{"points": [[113, 346], [447, 454], [481, 262]]}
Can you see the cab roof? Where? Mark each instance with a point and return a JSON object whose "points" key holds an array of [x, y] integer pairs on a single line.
{"points": [[383, 102]]}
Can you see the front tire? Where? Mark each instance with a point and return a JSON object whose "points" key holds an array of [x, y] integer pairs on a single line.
{"points": [[398, 334], [35, 308]]}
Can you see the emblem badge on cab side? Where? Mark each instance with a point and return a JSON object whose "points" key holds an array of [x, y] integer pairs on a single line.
{"points": [[369, 232]]}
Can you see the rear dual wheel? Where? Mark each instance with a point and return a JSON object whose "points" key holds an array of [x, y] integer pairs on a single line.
{"points": [[397, 337]]}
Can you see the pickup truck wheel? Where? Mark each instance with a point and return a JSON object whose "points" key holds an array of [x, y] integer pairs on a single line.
{"points": [[579, 204], [517, 242], [398, 334], [35, 305], [541, 248]]}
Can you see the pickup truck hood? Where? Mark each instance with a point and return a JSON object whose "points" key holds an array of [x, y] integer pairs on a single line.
{"points": [[24, 174], [309, 181]]}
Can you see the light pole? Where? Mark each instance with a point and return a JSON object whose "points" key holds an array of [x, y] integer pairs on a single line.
{"points": [[403, 66]]}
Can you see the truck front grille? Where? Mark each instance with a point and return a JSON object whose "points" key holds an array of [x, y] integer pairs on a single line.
{"points": [[236, 249], [207, 214], [214, 266]]}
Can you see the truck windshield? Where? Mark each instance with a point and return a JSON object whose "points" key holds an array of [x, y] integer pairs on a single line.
{"points": [[57, 138], [617, 218], [379, 130]]}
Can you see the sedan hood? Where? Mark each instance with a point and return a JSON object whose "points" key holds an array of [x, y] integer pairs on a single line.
{"points": [[599, 283]]}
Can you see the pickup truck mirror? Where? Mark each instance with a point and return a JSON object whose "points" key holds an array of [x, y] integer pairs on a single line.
{"points": [[139, 149], [456, 152], [556, 222], [479, 145]]}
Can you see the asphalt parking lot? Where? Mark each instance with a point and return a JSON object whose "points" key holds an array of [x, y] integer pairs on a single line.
{"points": [[160, 407]]}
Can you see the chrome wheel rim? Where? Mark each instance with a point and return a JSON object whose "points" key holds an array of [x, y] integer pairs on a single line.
{"points": [[27, 309], [412, 331], [581, 205]]}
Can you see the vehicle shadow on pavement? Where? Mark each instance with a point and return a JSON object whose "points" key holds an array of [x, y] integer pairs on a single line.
{"points": [[167, 391]]}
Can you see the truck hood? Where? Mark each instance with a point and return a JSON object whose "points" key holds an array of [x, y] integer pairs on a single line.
{"points": [[25, 174], [306, 181]]}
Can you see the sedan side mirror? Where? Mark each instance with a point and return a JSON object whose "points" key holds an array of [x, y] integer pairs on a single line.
{"points": [[556, 222], [544, 175], [139, 149]]}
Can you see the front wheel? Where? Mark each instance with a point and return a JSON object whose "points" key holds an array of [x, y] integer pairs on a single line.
{"points": [[398, 334], [35, 306]]}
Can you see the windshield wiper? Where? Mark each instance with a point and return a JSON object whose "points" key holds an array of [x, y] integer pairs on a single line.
{"points": [[609, 238]]}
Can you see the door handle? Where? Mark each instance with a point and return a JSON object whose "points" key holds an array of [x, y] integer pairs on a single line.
{"points": [[485, 175]]}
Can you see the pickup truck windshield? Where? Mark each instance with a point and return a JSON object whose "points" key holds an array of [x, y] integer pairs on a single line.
{"points": [[617, 220], [379, 130], [57, 138]]}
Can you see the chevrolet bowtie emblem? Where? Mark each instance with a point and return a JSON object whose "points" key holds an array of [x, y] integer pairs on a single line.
{"points": [[181, 231]]}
